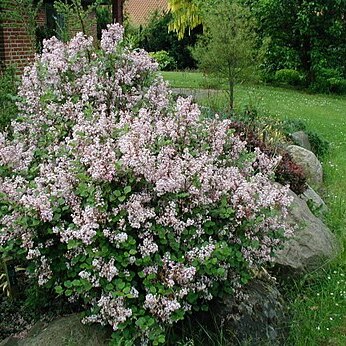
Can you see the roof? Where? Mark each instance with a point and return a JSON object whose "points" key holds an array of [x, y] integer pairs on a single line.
{"points": [[139, 11]]}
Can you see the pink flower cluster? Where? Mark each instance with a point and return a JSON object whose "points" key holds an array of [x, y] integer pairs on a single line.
{"points": [[91, 125]]}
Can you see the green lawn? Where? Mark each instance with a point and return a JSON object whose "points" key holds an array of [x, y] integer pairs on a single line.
{"points": [[318, 301]]}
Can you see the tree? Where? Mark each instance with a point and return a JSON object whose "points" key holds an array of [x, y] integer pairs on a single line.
{"points": [[305, 35], [155, 37], [186, 15], [227, 48], [118, 11], [78, 15]]}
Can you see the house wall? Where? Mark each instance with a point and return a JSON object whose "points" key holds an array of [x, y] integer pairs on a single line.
{"points": [[16, 46], [139, 11]]}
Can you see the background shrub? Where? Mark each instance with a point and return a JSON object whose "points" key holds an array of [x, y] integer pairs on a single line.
{"points": [[278, 57], [165, 61], [328, 80], [288, 77], [126, 201], [336, 85], [155, 37]]}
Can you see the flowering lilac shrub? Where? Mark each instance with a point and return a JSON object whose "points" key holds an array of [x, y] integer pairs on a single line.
{"points": [[125, 200]]}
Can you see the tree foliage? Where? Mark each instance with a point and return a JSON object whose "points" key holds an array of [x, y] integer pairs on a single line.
{"points": [[305, 35], [155, 37], [77, 17], [227, 48], [186, 15]]}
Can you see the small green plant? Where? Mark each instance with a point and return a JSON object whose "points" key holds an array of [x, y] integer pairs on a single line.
{"points": [[5, 286], [290, 126], [319, 145], [7, 277], [8, 89]]}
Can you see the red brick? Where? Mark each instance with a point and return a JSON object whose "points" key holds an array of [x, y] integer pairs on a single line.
{"points": [[16, 46]]}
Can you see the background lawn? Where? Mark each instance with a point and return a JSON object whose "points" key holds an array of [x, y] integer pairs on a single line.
{"points": [[317, 301]]}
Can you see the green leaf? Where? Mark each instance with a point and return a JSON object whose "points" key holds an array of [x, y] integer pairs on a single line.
{"points": [[59, 289], [68, 284], [141, 322], [109, 287], [68, 292], [127, 189], [161, 339], [76, 282], [72, 244], [192, 297], [121, 198], [221, 271], [117, 193], [120, 284]]}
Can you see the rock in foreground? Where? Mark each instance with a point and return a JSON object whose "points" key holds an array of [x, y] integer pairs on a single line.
{"points": [[261, 319], [63, 331], [309, 163], [312, 244]]}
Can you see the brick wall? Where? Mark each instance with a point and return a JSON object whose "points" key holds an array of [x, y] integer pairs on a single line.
{"points": [[139, 11], [16, 45]]}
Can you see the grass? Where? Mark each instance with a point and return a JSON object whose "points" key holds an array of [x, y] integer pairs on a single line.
{"points": [[317, 301], [186, 79]]}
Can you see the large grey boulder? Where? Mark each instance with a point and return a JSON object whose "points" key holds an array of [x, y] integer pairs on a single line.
{"points": [[312, 244], [259, 319], [302, 139], [309, 163]]}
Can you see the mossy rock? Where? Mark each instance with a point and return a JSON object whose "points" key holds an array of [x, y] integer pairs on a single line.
{"points": [[65, 331]]}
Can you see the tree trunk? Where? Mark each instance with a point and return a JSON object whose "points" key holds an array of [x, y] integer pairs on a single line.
{"points": [[230, 88], [305, 57], [118, 11], [231, 94]]}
